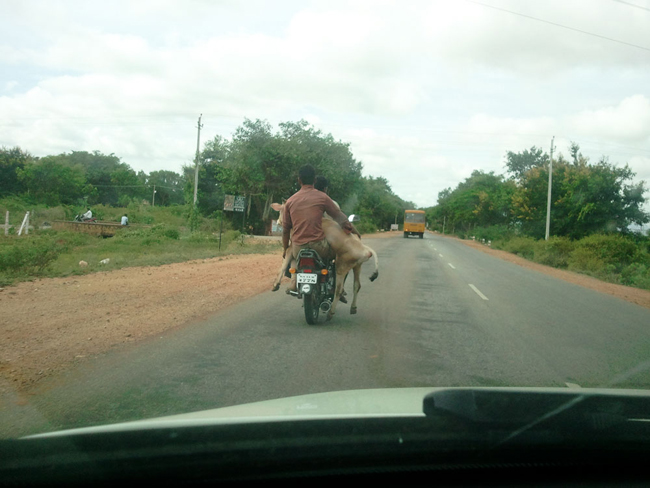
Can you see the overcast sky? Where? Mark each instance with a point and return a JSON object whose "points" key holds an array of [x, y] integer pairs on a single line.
{"points": [[425, 92]]}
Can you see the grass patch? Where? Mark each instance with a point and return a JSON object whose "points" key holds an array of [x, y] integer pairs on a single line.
{"points": [[58, 253], [165, 239]]}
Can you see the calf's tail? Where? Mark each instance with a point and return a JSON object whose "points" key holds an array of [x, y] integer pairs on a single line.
{"points": [[374, 275]]}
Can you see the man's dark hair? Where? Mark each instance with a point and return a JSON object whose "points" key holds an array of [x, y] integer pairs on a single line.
{"points": [[321, 183], [307, 174]]}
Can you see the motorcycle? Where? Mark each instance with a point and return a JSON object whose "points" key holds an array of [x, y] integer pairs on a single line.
{"points": [[316, 284], [81, 218]]}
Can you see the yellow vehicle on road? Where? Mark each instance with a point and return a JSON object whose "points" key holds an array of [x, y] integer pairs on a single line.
{"points": [[414, 223]]}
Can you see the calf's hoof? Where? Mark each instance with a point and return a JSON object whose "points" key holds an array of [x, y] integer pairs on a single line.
{"points": [[276, 287], [329, 317], [353, 310], [342, 299]]}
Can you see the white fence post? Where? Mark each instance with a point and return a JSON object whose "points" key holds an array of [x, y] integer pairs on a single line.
{"points": [[7, 223], [22, 226]]}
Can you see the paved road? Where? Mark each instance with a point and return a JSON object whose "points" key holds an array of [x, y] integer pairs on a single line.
{"points": [[440, 314]]}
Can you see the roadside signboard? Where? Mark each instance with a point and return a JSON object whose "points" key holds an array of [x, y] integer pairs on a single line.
{"points": [[233, 203], [239, 204], [229, 203]]}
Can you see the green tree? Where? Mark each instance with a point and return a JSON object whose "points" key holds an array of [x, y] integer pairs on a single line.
{"points": [[378, 205], [53, 182], [483, 199], [169, 187], [263, 164], [11, 160], [586, 198], [333, 159], [518, 164], [111, 178]]}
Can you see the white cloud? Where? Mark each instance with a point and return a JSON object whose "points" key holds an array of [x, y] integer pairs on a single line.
{"points": [[443, 87], [628, 121]]}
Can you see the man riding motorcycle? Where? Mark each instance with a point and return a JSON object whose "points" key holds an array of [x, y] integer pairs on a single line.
{"points": [[303, 213]]}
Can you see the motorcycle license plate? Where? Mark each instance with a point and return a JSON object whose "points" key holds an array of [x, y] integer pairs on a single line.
{"points": [[307, 278]]}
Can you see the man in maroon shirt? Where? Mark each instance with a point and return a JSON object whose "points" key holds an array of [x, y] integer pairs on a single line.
{"points": [[303, 213]]}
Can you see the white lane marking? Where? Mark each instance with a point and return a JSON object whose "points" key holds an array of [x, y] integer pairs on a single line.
{"points": [[573, 385], [435, 248], [451, 266], [440, 255], [478, 292]]}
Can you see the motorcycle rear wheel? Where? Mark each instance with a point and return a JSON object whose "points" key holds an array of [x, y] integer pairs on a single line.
{"points": [[311, 304]]}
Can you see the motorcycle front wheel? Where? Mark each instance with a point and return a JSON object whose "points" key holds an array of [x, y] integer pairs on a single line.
{"points": [[312, 307]]}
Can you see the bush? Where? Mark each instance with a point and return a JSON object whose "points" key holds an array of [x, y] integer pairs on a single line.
{"points": [[636, 274], [29, 255], [583, 259], [613, 251], [522, 246], [165, 231], [554, 252], [172, 234], [366, 227], [230, 236], [193, 219]]}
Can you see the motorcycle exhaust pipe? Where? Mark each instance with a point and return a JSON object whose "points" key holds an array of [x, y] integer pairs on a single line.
{"points": [[325, 306]]}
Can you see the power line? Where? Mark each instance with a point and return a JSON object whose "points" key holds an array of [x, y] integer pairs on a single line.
{"points": [[559, 25], [136, 186], [633, 5]]}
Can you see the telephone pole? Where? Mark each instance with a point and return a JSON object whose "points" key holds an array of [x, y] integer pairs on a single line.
{"points": [[153, 197], [550, 187], [196, 167]]}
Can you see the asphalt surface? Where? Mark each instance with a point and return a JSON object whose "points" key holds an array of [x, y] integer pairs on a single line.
{"points": [[440, 314]]}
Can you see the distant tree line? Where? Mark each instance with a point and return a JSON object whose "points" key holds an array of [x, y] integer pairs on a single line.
{"points": [[80, 177], [258, 162], [587, 198], [262, 164]]}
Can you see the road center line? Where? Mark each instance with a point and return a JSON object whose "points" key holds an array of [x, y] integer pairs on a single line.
{"points": [[440, 255], [451, 266], [478, 292], [573, 385]]}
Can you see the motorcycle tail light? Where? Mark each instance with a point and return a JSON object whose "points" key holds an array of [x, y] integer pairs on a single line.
{"points": [[307, 262], [306, 270]]}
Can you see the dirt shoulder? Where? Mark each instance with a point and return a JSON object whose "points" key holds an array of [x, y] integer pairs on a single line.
{"points": [[633, 295], [380, 235], [50, 324]]}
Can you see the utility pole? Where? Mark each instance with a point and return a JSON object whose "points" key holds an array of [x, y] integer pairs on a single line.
{"points": [[196, 168], [153, 197], [550, 187]]}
